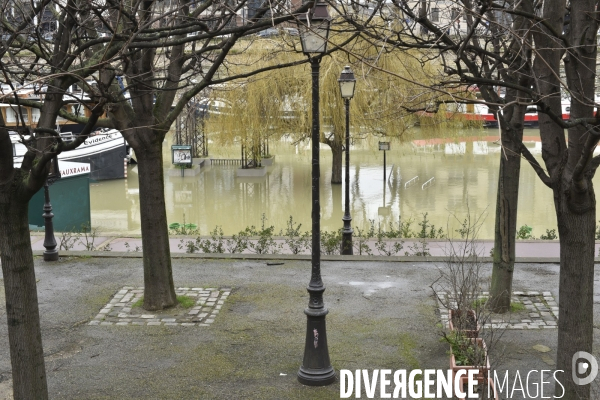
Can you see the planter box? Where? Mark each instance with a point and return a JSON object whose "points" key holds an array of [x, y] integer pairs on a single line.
{"points": [[490, 384], [483, 369], [195, 170], [470, 333], [267, 162], [200, 161], [251, 172]]}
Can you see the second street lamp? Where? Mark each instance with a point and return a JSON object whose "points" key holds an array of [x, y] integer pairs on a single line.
{"points": [[347, 84], [50, 254], [316, 369]]}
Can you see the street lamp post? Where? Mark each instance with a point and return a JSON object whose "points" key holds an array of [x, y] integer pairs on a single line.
{"points": [[50, 254], [347, 85], [316, 369]]}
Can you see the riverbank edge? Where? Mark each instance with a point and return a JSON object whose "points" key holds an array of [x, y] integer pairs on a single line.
{"points": [[294, 257], [116, 235]]}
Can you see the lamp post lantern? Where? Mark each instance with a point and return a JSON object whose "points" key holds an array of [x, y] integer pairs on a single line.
{"points": [[50, 254], [316, 369], [347, 84]]}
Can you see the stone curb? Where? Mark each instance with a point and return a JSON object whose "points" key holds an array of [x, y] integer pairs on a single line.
{"points": [[306, 257]]}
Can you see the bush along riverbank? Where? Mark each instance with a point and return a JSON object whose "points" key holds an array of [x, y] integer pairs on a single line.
{"points": [[407, 237], [376, 240]]}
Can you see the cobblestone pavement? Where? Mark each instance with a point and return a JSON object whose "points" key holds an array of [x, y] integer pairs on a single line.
{"points": [[118, 311], [541, 307]]}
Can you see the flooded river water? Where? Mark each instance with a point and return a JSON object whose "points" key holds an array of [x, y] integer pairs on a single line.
{"points": [[464, 171]]}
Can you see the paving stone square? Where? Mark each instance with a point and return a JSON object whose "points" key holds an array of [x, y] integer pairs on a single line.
{"points": [[540, 310], [118, 310]]}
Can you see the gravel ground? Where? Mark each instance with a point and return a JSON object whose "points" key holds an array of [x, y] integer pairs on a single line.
{"points": [[381, 315]]}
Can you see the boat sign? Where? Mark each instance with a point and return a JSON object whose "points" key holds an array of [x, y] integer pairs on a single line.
{"points": [[68, 168]]}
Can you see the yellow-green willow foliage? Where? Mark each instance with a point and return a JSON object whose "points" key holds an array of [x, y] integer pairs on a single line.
{"points": [[407, 90], [393, 93], [254, 107]]}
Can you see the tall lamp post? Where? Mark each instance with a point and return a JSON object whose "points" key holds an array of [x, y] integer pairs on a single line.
{"points": [[50, 254], [316, 369], [347, 85]]}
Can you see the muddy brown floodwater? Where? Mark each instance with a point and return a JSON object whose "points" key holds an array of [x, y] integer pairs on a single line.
{"points": [[454, 175]]}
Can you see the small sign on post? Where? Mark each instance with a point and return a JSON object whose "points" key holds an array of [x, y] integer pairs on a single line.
{"points": [[182, 154], [384, 146]]}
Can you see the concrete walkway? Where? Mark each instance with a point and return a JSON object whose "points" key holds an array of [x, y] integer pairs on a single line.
{"points": [[381, 315]]}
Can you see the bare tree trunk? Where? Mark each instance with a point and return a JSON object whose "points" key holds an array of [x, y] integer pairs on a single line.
{"points": [[159, 290], [575, 201], [576, 291], [24, 333], [336, 164], [505, 224]]}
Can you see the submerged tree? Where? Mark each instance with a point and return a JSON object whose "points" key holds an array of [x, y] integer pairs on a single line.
{"points": [[513, 53], [277, 103]]}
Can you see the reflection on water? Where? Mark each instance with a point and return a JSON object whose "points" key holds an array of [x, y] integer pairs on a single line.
{"points": [[465, 172]]}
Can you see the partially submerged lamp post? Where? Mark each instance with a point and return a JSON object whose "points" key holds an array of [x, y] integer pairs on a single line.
{"points": [[50, 254], [384, 211], [385, 146], [316, 369], [347, 85]]}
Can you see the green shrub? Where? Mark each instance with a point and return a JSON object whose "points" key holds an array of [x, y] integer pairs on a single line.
{"points": [[265, 243], [331, 242], [466, 351], [524, 232], [550, 235], [297, 242]]}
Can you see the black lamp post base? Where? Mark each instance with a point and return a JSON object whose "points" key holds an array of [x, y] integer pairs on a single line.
{"points": [[316, 377], [347, 242], [51, 255], [316, 369]]}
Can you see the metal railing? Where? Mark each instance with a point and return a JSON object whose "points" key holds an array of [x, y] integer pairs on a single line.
{"points": [[411, 181], [225, 161], [428, 183]]}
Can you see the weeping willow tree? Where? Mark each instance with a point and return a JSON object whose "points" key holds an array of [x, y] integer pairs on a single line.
{"points": [[255, 110], [393, 93]]}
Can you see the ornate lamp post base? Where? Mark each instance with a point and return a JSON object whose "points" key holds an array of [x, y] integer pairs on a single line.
{"points": [[50, 254], [347, 232], [316, 377], [316, 369]]}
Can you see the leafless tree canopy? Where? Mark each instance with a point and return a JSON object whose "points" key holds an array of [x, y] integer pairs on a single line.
{"points": [[520, 55]]}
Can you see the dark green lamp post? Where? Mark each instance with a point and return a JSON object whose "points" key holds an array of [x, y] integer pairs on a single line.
{"points": [[347, 84], [316, 369], [51, 253]]}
